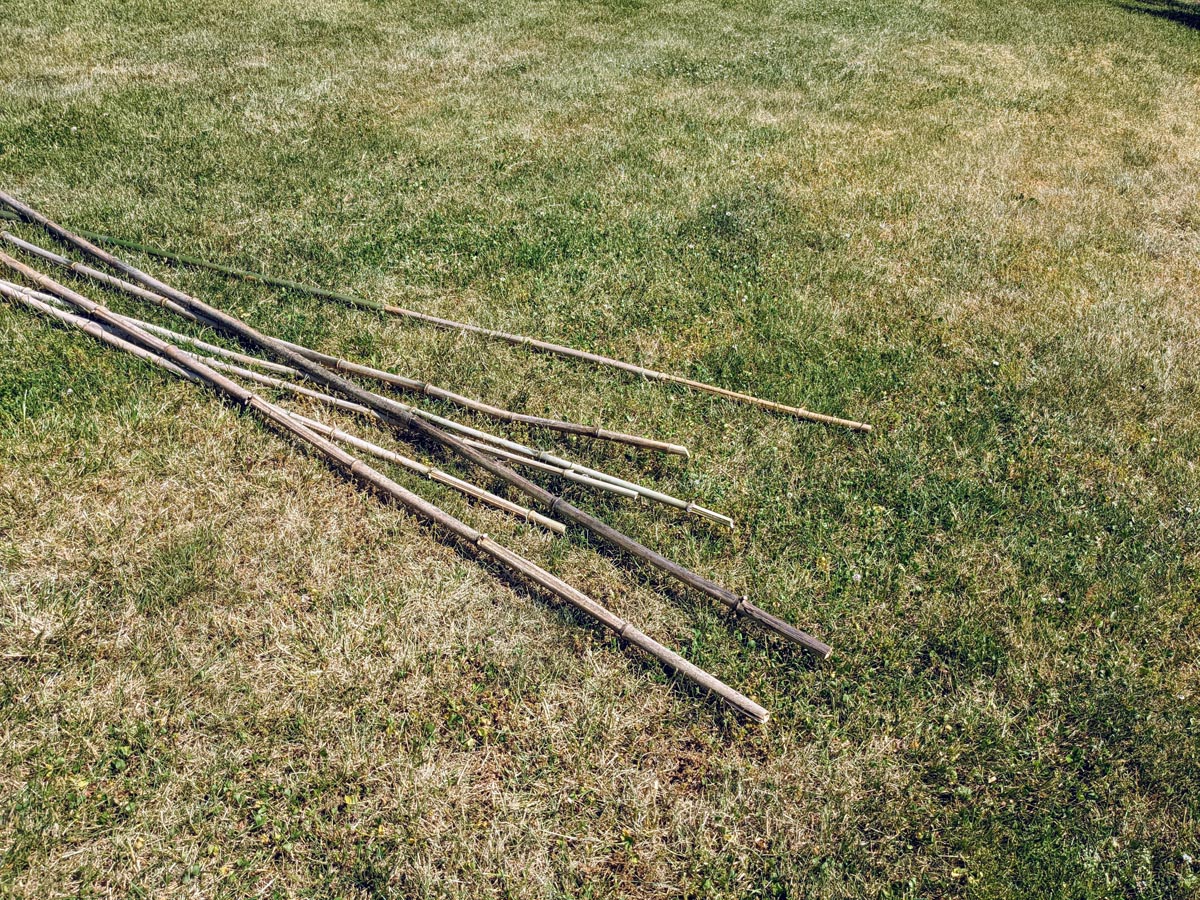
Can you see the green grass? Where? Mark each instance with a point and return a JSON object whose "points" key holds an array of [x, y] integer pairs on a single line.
{"points": [[225, 671]]}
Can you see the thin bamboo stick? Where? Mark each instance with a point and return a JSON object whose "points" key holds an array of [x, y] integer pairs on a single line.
{"points": [[38, 301], [350, 406], [569, 470], [412, 385], [33, 301], [517, 339], [465, 487], [557, 470], [380, 482], [398, 415]]}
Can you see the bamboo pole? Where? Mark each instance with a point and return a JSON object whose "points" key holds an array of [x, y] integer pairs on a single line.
{"points": [[350, 406], [519, 340], [36, 303], [414, 503], [412, 385], [495, 446], [433, 474], [39, 302], [569, 470], [398, 415]]}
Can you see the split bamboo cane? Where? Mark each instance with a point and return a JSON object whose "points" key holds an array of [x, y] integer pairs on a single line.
{"points": [[412, 385], [51, 305], [414, 503], [396, 414], [519, 340]]}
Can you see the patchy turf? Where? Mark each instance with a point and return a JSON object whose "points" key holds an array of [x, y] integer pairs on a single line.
{"points": [[224, 671]]}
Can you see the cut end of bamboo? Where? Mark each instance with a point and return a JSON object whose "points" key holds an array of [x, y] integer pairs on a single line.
{"points": [[720, 518]]}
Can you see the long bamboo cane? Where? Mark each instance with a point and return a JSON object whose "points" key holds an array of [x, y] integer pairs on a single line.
{"points": [[433, 474], [505, 449], [517, 339], [416, 504], [352, 407], [549, 462], [396, 414], [412, 385], [36, 303], [51, 305]]}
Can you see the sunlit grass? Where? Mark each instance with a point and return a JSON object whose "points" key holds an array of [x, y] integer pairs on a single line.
{"points": [[225, 671]]}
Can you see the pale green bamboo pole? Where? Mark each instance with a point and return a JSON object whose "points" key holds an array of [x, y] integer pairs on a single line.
{"points": [[433, 474], [352, 407]]}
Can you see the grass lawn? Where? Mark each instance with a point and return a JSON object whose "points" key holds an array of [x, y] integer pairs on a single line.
{"points": [[226, 671]]}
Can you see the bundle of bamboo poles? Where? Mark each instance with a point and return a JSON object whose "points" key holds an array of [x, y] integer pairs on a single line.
{"points": [[230, 371]]}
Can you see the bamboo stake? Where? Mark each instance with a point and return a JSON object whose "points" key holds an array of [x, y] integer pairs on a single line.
{"points": [[350, 406], [569, 470], [33, 301], [380, 482], [465, 487], [38, 301], [518, 339], [398, 415], [409, 384]]}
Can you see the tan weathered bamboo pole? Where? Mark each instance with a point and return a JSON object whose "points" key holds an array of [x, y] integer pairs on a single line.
{"points": [[352, 407], [376, 480], [517, 339], [398, 415], [412, 385], [37, 301], [433, 474], [548, 462], [650, 374]]}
